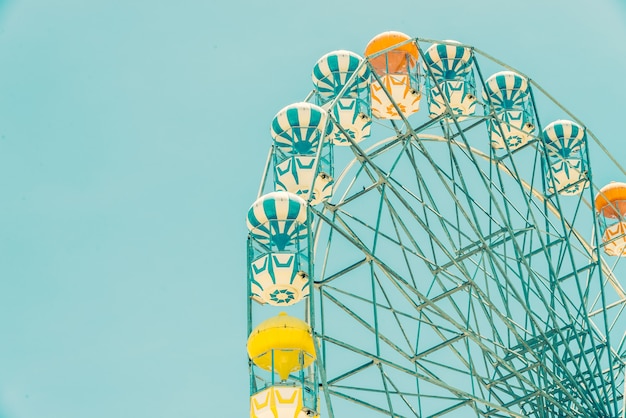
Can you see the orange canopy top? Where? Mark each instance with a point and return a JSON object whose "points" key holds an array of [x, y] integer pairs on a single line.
{"points": [[611, 200], [388, 39], [395, 59]]}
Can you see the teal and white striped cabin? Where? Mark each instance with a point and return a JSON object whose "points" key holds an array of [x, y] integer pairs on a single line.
{"points": [[278, 249], [449, 79], [302, 152], [508, 103], [341, 81], [566, 143]]}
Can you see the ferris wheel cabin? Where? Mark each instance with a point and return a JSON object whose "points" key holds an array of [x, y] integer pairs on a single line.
{"points": [[282, 346], [393, 57], [449, 80], [341, 81], [566, 144], [507, 100], [610, 204], [302, 154], [277, 249]]}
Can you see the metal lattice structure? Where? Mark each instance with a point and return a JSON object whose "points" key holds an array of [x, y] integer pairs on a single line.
{"points": [[452, 277]]}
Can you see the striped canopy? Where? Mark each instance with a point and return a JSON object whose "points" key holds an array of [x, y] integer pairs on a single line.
{"points": [[448, 62], [507, 91], [278, 218], [333, 71], [564, 138], [299, 127]]}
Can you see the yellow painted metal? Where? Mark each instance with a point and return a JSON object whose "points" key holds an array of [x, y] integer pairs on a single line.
{"points": [[282, 344]]}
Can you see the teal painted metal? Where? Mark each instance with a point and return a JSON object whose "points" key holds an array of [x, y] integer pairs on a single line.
{"points": [[455, 278]]}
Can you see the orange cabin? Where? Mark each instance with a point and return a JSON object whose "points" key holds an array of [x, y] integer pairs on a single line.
{"points": [[395, 61], [610, 201]]}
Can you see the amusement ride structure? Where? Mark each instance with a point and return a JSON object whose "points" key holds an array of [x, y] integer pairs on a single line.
{"points": [[428, 240]]}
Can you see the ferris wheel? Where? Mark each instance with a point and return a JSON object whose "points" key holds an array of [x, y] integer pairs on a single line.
{"points": [[428, 240]]}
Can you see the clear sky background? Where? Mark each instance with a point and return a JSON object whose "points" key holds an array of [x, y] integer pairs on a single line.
{"points": [[133, 136]]}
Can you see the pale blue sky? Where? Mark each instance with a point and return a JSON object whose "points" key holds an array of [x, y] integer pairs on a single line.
{"points": [[133, 136]]}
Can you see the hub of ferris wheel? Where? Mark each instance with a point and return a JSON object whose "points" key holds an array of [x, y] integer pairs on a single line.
{"points": [[516, 312]]}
